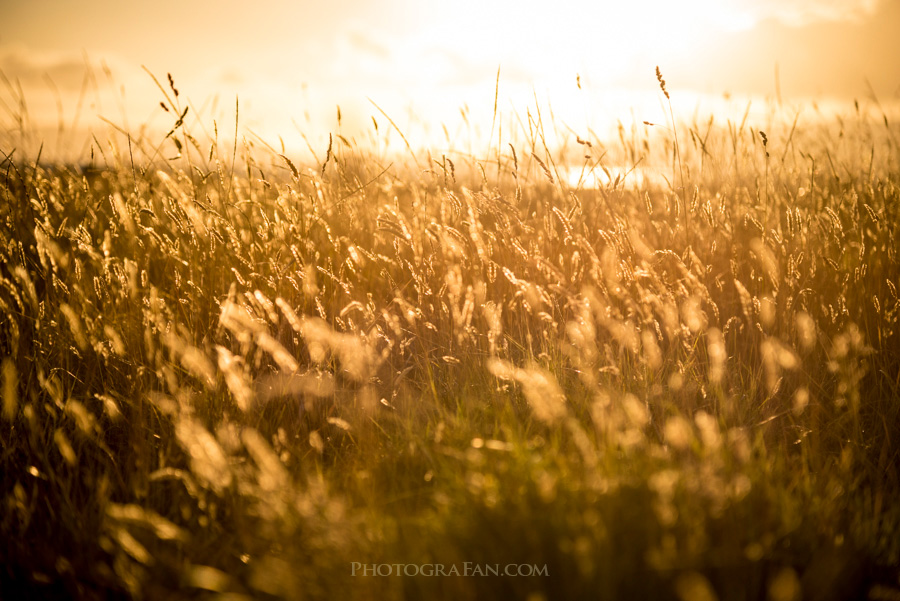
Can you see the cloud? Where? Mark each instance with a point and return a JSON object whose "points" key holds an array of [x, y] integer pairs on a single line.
{"points": [[365, 44], [66, 72], [230, 77], [836, 55], [798, 13]]}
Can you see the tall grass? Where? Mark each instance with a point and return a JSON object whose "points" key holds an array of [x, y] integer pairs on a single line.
{"points": [[228, 375]]}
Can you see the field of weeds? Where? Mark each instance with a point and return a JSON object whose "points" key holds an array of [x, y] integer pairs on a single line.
{"points": [[230, 375]]}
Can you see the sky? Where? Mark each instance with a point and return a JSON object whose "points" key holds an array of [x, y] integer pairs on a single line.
{"points": [[430, 66]]}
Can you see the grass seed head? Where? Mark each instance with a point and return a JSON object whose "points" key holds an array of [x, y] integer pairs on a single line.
{"points": [[662, 82]]}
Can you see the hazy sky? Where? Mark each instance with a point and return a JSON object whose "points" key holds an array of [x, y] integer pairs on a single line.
{"points": [[291, 63]]}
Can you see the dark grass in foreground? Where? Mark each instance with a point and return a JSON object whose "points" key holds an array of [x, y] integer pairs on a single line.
{"points": [[240, 384]]}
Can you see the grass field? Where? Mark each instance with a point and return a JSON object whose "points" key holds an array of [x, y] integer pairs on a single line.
{"points": [[227, 375]]}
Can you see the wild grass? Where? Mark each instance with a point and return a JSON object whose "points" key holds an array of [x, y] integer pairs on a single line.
{"points": [[225, 375]]}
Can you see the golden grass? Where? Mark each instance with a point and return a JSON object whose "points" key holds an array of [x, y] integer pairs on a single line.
{"points": [[233, 375]]}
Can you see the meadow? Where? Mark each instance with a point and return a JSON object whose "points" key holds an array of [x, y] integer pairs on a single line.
{"points": [[230, 375]]}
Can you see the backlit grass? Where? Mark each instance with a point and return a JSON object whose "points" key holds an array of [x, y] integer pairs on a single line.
{"points": [[231, 374]]}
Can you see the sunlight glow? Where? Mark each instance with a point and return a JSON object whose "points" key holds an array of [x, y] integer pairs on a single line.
{"points": [[433, 67]]}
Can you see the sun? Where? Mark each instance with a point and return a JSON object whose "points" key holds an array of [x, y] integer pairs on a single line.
{"points": [[582, 57], [607, 38]]}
